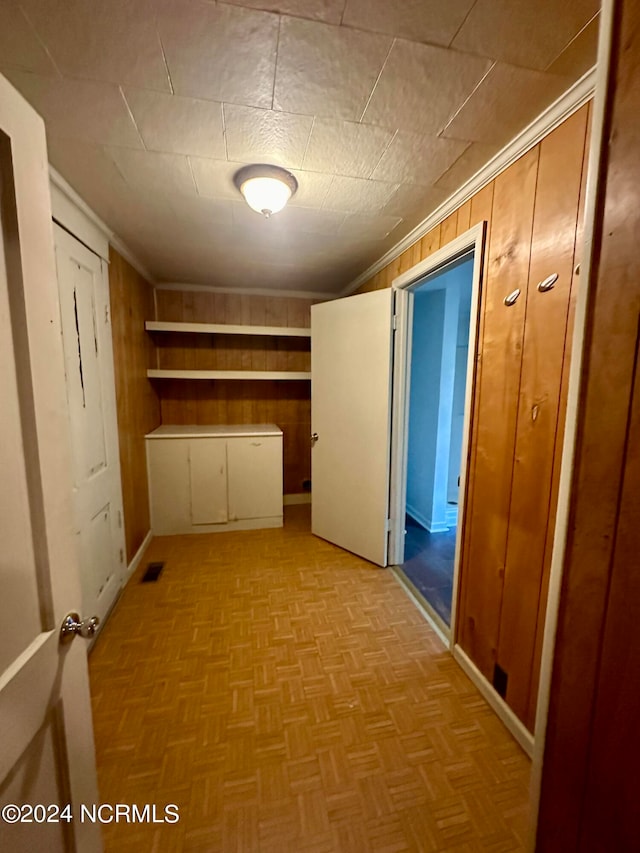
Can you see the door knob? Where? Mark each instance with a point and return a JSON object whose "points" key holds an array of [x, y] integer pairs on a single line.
{"points": [[72, 625], [314, 437]]}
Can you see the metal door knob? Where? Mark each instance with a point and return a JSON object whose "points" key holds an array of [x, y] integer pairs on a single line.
{"points": [[314, 437], [72, 625]]}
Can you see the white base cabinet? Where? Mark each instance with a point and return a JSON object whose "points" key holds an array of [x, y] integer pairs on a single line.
{"points": [[207, 479]]}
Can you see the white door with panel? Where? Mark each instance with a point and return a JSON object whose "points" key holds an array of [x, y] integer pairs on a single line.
{"points": [[351, 384], [86, 331], [47, 754]]}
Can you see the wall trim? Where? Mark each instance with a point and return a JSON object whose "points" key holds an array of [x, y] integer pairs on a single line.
{"points": [[298, 498], [425, 611], [137, 558], [503, 711], [567, 104], [429, 525], [245, 291], [107, 233]]}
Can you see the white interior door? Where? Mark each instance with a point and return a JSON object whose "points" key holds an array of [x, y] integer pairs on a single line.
{"points": [[351, 361], [47, 753], [86, 331]]}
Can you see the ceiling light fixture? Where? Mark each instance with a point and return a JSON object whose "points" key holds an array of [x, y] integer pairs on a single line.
{"points": [[266, 189]]}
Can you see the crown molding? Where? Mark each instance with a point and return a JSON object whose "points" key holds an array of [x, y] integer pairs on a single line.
{"points": [[107, 233], [574, 98], [245, 291]]}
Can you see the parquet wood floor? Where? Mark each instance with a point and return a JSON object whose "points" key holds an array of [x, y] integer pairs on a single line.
{"points": [[288, 696]]}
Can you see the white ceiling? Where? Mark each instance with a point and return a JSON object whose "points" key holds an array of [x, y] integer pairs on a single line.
{"points": [[380, 108]]}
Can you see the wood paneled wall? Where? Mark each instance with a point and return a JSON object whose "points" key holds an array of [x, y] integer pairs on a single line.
{"points": [[286, 403], [533, 211], [589, 799], [136, 400]]}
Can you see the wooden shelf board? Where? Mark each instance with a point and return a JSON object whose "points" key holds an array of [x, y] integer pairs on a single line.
{"points": [[226, 329], [227, 374]]}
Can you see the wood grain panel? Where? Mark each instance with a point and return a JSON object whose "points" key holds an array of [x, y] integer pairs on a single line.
{"points": [[507, 205], [481, 211], [557, 452], [487, 521], [552, 252], [449, 229], [589, 789], [287, 404], [137, 401]]}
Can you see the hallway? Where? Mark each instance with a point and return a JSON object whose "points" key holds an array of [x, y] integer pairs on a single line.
{"points": [[288, 696]]}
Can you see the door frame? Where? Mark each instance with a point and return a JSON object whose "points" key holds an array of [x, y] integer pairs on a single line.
{"points": [[472, 240]]}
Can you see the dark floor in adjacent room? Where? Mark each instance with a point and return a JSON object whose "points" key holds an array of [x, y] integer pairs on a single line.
{"points": [[289, 697], [429, 565]]}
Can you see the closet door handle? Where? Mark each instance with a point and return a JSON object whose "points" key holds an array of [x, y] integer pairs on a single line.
{"points": [[548, 283], [512, 298]]}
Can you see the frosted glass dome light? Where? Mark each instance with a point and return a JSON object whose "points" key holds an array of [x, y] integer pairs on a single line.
{"points": [[266, 189]]}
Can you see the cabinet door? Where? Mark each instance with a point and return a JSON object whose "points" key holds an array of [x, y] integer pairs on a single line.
{"points": [[255, 477], [208, 477], [168, 461]]}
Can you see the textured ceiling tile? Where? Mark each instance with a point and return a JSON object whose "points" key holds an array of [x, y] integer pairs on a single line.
{"points": [[422, 86], [307, 219], [113, 41], [418, 20], [356, 195], [92, 174], [471, 160], [201, 214], [579, 55], [326, 70], [521, 32], [178, 125], [19, 45], [372, 227], [411, 200], [504, 103], [346, 147], [312, 188], [149, 171], [329, 11], [77, 109], [214, 178], [266, 136], [218, 52], [416, 159]]}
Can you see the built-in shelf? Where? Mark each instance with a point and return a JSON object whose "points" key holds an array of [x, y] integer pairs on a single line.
{"points": [[226, 329], [227, 374]]}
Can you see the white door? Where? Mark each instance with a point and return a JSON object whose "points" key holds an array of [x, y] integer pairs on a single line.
{"points": [[86, 332], [351, 360], [47, 754]]}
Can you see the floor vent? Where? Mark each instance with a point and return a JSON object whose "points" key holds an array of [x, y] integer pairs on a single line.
{"points": [[152, 573], [500, 680]]}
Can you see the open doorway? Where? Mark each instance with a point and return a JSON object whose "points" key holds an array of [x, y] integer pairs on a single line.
{"points": [[437, 308], [437, 384]]}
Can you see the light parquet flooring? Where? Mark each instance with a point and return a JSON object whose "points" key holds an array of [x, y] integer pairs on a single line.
{"points": [[288, 696]]}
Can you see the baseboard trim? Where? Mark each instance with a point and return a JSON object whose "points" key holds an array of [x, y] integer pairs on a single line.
{"points": [[300, 498], [137, 558], [423, 606], [504, 712], [427, 523]]}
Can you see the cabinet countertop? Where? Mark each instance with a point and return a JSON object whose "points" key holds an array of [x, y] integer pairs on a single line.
{"points": [[214, 431]]}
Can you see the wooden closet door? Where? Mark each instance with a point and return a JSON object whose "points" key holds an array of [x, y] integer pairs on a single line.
{"points": [[552, 252]]}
